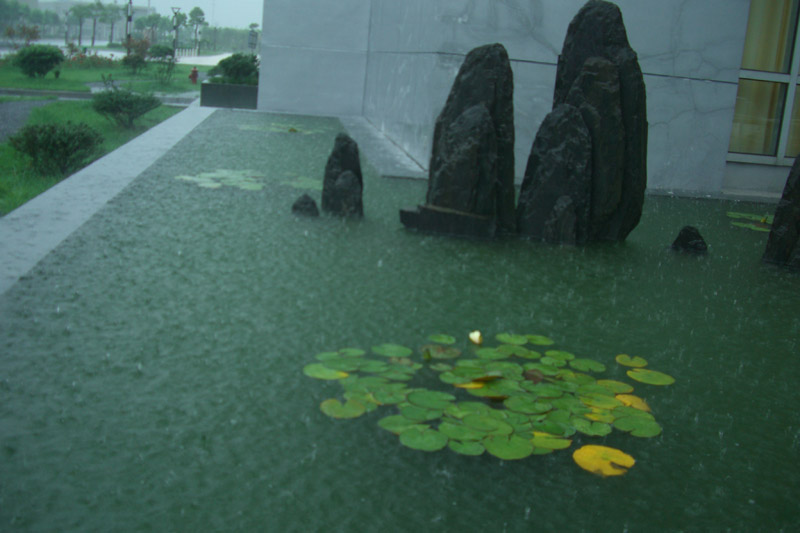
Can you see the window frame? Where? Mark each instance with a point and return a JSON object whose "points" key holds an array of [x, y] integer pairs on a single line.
{"points": [[791, 80]]}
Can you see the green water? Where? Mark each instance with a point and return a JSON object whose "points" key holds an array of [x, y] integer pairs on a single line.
{"points": [[151, 366]]}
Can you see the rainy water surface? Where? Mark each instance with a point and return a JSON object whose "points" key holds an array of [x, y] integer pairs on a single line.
{"points": [[151, 366]]}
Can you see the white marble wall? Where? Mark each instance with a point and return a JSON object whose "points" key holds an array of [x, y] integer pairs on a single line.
{"points": [[689, 50], [314, 56]]}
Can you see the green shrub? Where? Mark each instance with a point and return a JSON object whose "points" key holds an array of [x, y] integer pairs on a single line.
{"points": [[238, 68], [123, 106], [57, 148], [164, 58], [161, 51], [38, 59], [134, 63]]}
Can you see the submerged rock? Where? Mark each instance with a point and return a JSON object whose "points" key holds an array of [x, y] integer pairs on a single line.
{"points": [[783, 246], [343, 184], [690, 241], [471, 174], [599, 75], [306, 206]]}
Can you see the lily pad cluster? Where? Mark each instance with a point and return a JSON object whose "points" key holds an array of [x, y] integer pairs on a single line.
{"points": [[751, 221], [246, 180], [519, 398]]}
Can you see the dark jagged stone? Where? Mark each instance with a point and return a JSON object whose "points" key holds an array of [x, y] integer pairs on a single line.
{"points": [[783, 246], [343, 183], [690, 241], [306, 206], [598, 73], [472, 160], [554, 198]]}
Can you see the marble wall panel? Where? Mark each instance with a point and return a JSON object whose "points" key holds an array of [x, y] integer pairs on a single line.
{"points": [[323, 24]]}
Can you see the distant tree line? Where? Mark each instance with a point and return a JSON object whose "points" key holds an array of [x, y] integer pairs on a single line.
{"points": [[85, 22]]}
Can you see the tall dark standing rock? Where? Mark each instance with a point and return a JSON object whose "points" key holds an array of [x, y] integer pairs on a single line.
{"points": [[598, 31], [471, 175], [598, 74], [343, 184], [783, 246]]}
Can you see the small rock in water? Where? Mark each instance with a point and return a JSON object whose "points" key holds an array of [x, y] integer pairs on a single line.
{"points": [[690, 241], [343, 184], [305, 205]]}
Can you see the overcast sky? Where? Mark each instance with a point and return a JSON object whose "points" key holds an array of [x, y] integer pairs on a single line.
{"points": [[231, 13]]}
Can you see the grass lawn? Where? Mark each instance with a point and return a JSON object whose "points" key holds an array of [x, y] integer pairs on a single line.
{"points": [[76, 78], [18, 182]]}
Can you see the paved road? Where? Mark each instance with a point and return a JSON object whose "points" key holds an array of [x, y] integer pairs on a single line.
{"points": [[13, 116]]}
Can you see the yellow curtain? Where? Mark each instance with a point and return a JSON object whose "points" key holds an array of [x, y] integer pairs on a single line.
{"points": [[770, 35], [757, 117]]}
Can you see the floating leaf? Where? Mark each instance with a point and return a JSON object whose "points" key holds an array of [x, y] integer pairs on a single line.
{"points": [[755, 226], [626, 360], [427, 440], [441, 367], [600, 415], [547, 440], [617, 387], [437, 351], [591, 428], [466, 448], [560, 355], [460, 432], [633, 401], [476, 338], [420, 414], [601, 401], [335, 409], [391, 396], [602, 460], [508, 447], [509, 338], [488, 424], [766, 219], [490, 353], [650, 377], [392, 350], [470, 385], [547, 360], [638, 426], [461, 409], [587, 365], [527, 404], [430, 399], [540, 340], [442, 339], [351, 352], [367, 399], [320, 371], [398, 423]]}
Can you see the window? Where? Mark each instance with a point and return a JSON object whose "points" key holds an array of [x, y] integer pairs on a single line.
{"points": [[766, 122]]}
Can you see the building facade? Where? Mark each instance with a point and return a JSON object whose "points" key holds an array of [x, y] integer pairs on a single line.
{"points": [[393, 61]]}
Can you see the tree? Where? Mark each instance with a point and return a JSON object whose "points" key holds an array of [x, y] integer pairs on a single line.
{"points": [[78, 13], [95, 12], [38, 59], [110, 16], [197, 19]]}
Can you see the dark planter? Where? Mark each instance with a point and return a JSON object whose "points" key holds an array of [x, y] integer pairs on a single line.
{"points": [[229, 95]]}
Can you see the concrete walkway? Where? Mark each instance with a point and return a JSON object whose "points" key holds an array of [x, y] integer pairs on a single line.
{"points": [[31, 231]]}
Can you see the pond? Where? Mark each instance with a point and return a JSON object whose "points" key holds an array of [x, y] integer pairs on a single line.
{"points": [[151, 375]]}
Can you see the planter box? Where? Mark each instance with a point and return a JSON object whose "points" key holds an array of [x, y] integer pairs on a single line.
{"points": [[229, 95]]}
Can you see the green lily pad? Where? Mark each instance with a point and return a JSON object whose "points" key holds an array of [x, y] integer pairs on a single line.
{"points": [[547, 440], [601, 401], [372, 366], [547, 370], [488, 424], [327, 356], [391, 396], [491, 353], [460, 432], [755, 226], [587, 365], [367, 399], [437, 351], [427, 440], [420, 414], [766, 219], [527, 404], [509, 338], [650, 377], [396, 375], [546, 360], [626, 360], [335, 409], [591, 428], [351, 352], [442, 339], [320, 371], [638, 426], [540, 340], [392, 350], [451, 379], [461, 409], [441, 367], [508, 447], [345, 365], [560, 355], [616, 387], [430, 399], [466, 447], [398, 423]]}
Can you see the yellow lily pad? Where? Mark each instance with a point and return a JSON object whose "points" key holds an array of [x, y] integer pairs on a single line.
{"points": [[650, 377], [320, 371], [602, 460], [633, 401], [626, 360]]}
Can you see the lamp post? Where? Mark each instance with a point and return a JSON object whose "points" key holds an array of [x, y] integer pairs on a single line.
{"points": [[175, 11], [129, 26]]}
